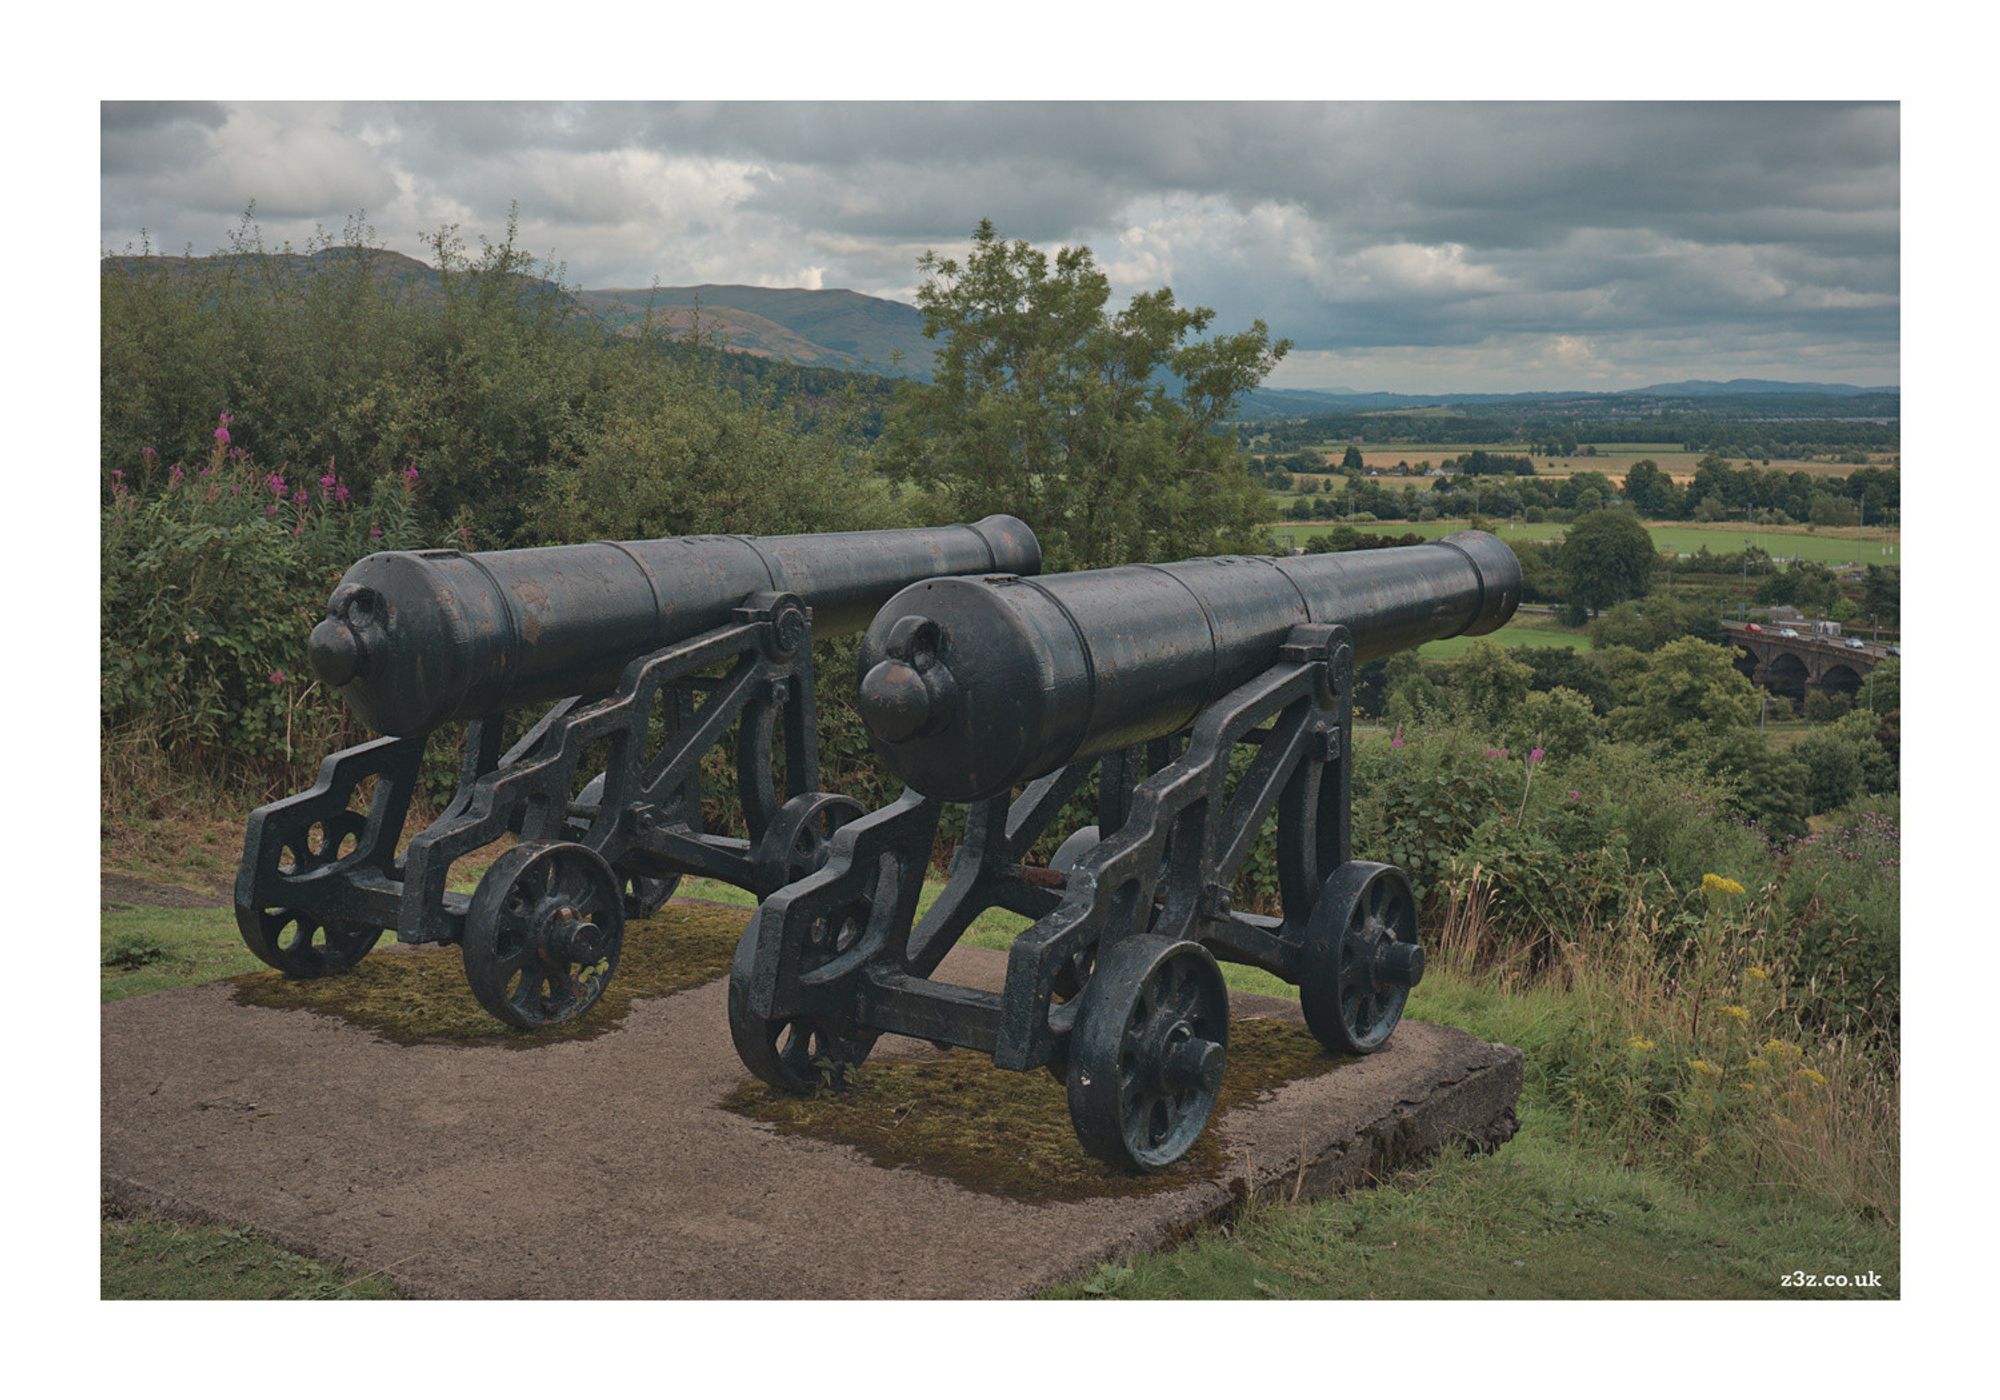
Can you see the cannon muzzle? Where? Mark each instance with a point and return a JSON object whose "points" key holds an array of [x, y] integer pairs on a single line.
{"points": [[413, 639], [970, 686]]}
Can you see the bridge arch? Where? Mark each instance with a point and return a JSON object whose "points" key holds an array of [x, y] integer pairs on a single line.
{"points": [[1842, 678], [1787, 674]]}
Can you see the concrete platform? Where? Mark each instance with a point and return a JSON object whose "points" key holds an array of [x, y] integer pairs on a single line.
{"points": [[605, 1169]]}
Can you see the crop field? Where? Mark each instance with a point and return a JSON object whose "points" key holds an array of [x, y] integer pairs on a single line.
{"points": [[1612, 459], [1824, 546]]}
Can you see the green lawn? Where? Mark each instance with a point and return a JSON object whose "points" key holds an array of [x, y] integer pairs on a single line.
{"points": [[1526, 630]]}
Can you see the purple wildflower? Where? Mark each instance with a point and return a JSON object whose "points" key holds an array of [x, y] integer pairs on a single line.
{"points": [[410, 474], [117, 475], [1534, 756], [276, 484], [1574, 794], [149, 454], [175, 476], [340, 494], [374, 531], [277, 678], [1396, 739]]}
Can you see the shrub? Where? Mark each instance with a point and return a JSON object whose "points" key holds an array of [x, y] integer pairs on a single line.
{"points": [[211, 581]]}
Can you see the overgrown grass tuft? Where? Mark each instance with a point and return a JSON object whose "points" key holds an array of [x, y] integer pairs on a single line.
{"points": [[1542, 1218]]}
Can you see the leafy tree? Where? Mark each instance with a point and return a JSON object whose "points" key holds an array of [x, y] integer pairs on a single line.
{"points": [[1104, 431], [1767, 785], [1570, 669], [1842, 761], [1607, 557], [1882, 688], [1560, 722], [1649, 623], [1652, 492], [1686, 693], [1488, 685], [1351, 462], [1882, 595]]}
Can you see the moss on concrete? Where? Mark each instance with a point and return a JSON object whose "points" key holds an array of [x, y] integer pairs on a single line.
{"points": [[957, 1116], [418, 996]]}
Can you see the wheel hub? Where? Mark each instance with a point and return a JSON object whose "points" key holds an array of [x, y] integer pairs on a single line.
{"points": [[575, 937], [1187, 1060]]}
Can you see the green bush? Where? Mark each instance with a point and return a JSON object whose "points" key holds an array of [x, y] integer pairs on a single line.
{"points": [[211, 581], [1841, 900]]}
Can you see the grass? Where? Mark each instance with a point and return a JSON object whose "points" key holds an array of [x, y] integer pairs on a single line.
{"points": [[1544, 1217], [1826, 546], [1613, 459], [142, 1255], [1562, 1211], [1526, 630], [1000, 1132]]}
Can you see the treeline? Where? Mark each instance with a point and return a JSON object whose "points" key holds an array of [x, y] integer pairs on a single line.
{"points": [[1719, 491], [1760, 428]]}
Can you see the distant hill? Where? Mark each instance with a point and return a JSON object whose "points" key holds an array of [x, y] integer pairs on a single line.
{"points": [[836, 329], [1714, 388]]}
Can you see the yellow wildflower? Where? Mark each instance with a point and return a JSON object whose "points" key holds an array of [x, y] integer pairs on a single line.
{"points": [[1703, 1067], [1639, 1042], [1756, 974], [1780, 1049], [1812, 1076], [1719, 884], [1758, 1064], [1739, 1013], [1746, 1086]]}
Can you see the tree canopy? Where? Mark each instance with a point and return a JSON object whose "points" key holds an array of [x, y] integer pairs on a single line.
{"points": [[1607, 557], [1098, 428]]}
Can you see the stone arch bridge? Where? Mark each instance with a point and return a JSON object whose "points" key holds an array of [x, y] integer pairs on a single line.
{"points": [[1790, 666]]}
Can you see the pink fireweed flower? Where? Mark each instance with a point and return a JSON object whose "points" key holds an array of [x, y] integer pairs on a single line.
{"points": [[1534, 756], [299, 496], [276, 484], [328, 481], [410, 474], [117, 475], [1574, 795], [1396, 739], [149, 454], [277, 678], [175, 476], [271, 509], [340, 495], [222, 429], [374, 531]]}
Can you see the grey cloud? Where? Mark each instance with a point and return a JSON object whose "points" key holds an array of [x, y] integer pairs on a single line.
{"points": [[1372, 234]]}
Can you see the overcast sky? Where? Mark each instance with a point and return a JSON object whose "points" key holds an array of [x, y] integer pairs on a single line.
{"points": [[1418, 247]]}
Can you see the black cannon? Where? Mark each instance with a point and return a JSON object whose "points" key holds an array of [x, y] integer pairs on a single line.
{"points": [[652, 651], [1008, 694]]}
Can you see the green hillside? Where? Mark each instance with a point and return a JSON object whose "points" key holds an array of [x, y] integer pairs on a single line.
{"points": [[835, 328]]}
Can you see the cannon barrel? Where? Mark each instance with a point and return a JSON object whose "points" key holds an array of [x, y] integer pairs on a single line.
{"points": [[970, 686], [415, 638]]}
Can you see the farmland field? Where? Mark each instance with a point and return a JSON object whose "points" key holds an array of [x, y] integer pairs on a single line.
{"points": [[1824, 546], [1613, 459]]}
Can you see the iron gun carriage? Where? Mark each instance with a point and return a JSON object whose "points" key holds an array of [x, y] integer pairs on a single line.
{"points": [[649, 654], [1009, 695]]}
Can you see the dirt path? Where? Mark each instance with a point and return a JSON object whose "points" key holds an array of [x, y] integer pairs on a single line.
{"points": [[607, 1168]]}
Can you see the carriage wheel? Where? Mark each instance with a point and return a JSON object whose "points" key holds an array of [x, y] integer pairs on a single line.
{"points": [[1361, 957], [1146, 1058], [300, 945], [543, 933], [794, 1053], [800, 837]]}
